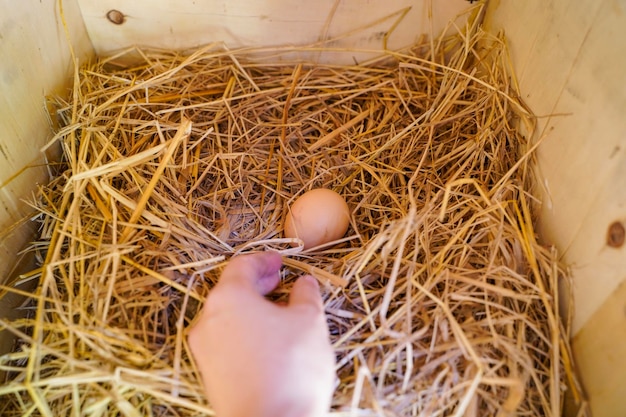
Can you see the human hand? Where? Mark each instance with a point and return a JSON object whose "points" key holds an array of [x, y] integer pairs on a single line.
{"points": [[260, 359]]}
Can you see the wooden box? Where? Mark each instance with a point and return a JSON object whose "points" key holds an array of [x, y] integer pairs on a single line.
{"points": [[569, 58]]}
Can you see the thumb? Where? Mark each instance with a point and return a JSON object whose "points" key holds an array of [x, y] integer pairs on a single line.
{"points": [[258, 271], [306, 291]]}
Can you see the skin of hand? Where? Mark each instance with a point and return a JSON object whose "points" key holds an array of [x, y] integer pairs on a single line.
{"points": [[258, 358]]}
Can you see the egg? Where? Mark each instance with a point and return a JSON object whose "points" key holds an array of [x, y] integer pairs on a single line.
{"points": [[317, 217]]}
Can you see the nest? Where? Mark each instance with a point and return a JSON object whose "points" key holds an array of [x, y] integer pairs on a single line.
{"points": [[440, 300]]}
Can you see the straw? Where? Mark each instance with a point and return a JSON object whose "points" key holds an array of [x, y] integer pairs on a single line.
{"points": [[440, 299]]}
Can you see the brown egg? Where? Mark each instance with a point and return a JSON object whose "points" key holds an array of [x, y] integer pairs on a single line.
{"points": [[318, 216]]}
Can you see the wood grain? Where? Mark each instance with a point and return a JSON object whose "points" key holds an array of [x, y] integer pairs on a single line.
{"points": [[570, 61], [35, 63], [357, 24], [600, 348]]}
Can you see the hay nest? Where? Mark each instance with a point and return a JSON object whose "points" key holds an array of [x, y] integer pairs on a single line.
{"points": [[440, 300]]}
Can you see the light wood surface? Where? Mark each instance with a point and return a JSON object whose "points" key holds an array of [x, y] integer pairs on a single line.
{"points": [[190, 23], [600, 349], [570, 59], [35, 63]]}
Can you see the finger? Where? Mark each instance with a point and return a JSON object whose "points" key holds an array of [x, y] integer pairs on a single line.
{"points": [[258, 271], [306, 292]]}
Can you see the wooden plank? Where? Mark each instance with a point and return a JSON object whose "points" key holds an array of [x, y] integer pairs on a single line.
{"points": [[572, 58], [35, 63], [600, 349], [190, 23], [571, 64]]}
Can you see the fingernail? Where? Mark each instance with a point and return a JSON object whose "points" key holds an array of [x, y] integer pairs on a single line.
{"points": [[310, 280]]}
